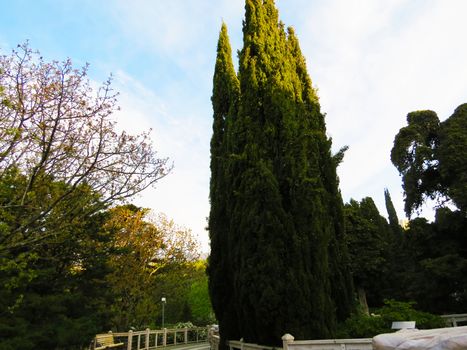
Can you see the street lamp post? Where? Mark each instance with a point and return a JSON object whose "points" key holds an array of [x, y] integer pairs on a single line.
{"points": [[163, 300]]}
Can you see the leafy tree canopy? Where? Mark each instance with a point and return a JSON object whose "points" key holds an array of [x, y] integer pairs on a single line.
{"points": [[431, 157], [150, 250], [53, 294], [368, 239]]}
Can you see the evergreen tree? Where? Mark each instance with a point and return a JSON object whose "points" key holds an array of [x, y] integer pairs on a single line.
{"points": [[452, 155], [276, 213], [392, 214], [368, 235], [431, 157], [53, 296], [396, 253], [224, 100], [434, 269]]}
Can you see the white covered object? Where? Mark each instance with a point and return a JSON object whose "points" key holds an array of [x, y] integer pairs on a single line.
{"points": [[454, 338]]}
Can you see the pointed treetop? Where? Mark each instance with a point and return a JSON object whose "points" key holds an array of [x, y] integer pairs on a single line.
{"points": [[261, 16], [309, 93], [224, 50], [226, 85], [223, 37], [392, 214]]}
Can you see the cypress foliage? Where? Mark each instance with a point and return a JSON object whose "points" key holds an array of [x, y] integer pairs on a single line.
{"points": [[283, 244], [392, 214], [224, 101], [341, 280], [396, 253]]}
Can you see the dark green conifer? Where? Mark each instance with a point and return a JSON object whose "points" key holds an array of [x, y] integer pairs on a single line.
{"points": [[285, 242], [368, 236], [224, 101], [392, 214], [307, 101]]}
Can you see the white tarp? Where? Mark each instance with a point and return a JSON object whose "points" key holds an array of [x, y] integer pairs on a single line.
{"points": [[454, 338]]}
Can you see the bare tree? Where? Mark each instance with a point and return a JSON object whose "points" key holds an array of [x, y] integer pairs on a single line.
{"points": [[54, 125]]}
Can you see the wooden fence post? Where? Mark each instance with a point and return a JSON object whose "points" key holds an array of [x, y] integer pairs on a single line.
{"points": [[164, 339], [147, 339], [186, 335], [286, 340], [130, 339]]}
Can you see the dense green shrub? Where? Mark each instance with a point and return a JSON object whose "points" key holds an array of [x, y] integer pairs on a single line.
{"points": [[364, 326]]}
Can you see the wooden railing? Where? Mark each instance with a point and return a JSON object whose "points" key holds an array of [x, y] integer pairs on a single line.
{"points": [[454, 320], [153, 339], [213, 338], [288, 343], [234, 344], [329, 344]]}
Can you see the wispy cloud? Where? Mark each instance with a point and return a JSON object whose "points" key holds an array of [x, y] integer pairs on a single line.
{"points": [[183, 35], [177, 134]]}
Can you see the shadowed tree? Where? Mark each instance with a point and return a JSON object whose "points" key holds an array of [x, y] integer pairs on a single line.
{"points": [[224, 100], [392, 215], [432, 159], [369, 236]]}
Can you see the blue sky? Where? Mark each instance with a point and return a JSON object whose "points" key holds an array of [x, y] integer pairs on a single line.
{"points": [[373, 61]]}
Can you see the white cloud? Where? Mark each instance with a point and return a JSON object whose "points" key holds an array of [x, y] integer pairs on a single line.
{"points": [[183, 195], [180, 111], [174, 27]]}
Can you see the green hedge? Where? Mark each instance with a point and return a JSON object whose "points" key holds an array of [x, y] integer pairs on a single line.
{"points": [[363, 326]]}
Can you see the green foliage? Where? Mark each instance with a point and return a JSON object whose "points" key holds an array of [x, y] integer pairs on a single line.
{"points": [[404, 311], [278, 256], [52, 296], [368, 326], [413, 155], [435, 267], [153, 258], [362, 326], [452, 155], [369, 243], [431, 158], [185, 287], [198, 299], [392, 215], [224, 100]]}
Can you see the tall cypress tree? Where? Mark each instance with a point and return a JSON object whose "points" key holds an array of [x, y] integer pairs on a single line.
{"points": [[285, 223], [392, 214], [396, 254], [341, 280], [224, 101]]}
